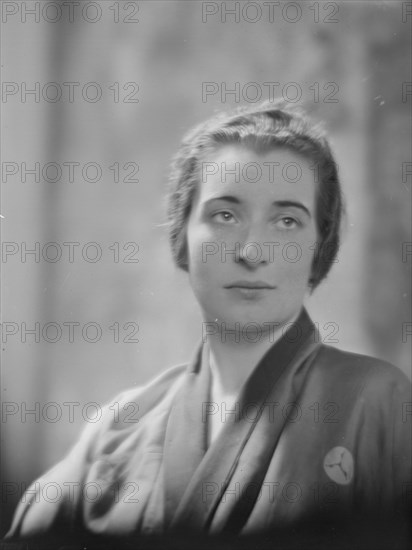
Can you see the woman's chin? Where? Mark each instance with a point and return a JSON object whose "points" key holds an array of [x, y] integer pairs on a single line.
{"points": [[245, 320]]}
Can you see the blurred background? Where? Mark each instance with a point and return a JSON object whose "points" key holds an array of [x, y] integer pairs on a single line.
{"points": [[95, 99]]}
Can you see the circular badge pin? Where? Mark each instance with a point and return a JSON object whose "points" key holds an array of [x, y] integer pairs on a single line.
{"points": [[338, 465]]}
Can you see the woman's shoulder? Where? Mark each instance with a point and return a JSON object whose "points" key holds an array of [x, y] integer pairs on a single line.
{"points": [[157, 385], [150, 394], [121, 417], [372, 372]]}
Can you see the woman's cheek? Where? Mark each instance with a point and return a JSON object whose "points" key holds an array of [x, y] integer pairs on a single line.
{"points": [[198, 238], [210, 244], [295, 259]]}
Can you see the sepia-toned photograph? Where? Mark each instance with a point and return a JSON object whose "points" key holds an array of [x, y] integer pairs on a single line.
{"points": [[206, 274]]}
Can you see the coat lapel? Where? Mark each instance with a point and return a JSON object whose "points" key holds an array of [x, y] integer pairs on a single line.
{"points": [[207, 474], [186, 434]]}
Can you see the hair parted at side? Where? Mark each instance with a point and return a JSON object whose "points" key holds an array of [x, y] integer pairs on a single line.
{"points": [[263, 127]]}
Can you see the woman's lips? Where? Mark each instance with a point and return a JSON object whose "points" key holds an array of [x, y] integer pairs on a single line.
{"points": [[250, 285], [250, 290]]}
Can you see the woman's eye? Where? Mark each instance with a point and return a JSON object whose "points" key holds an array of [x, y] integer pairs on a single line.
{"points": [[223, 216], [287, 223]]}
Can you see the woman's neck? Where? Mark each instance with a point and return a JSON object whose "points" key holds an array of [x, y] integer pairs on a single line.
{"points": [[234, 357]]}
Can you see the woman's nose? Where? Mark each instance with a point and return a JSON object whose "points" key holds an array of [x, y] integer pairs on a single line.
{"points": [[255, 246]]}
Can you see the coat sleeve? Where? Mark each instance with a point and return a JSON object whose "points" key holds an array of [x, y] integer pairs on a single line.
{"points": [[51, 504], [402, 447], [55, 503], [387, 422]]}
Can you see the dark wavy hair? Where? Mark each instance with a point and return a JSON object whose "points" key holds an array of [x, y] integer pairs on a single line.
{"points": [[262, 128]]}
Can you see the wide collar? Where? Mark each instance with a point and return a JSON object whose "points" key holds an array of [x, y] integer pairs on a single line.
{"points": [[191, 467]]}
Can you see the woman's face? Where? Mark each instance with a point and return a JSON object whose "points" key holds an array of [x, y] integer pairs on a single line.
{"points": [[251, 236]]}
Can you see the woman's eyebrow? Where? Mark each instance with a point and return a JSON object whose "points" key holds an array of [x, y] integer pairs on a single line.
{"points": [[227, 198], [294, 204], [279, 204]]}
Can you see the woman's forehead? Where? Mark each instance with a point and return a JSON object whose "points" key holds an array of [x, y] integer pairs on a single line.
{"points": [[243, 171], [244, 154]]}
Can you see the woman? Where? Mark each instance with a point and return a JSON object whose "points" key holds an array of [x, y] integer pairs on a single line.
{"points": [[266, 428]]}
